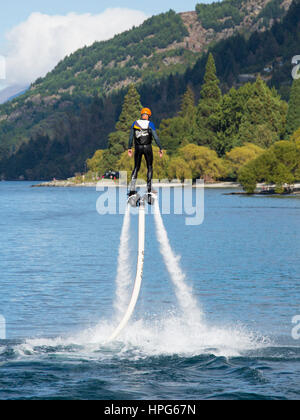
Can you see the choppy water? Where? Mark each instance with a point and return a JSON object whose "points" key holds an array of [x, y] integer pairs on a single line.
{"points": [[58, 265]]}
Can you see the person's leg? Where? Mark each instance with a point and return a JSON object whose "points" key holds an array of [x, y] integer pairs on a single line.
{"points": [[149, 160], [138, 154]]}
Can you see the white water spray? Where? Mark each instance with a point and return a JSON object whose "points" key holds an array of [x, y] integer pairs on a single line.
{"points": [[124, 272], [184, 293], [185, 333]]}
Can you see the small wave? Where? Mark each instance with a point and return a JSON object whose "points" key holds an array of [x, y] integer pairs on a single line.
{"points": [[168, 336], [249, 374], [245, 396], [277, 353]]}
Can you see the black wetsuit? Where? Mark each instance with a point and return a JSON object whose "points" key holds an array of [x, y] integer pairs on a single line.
{"points": [[142, 133]]}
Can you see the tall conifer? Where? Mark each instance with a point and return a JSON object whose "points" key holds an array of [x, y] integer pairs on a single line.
{"points": [[209, 108], [293, 115], [118, 140]]}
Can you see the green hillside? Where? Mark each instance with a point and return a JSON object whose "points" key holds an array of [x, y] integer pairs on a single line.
{"points": [[231, 13], [140, 54], [131, 56], [69, 114]]}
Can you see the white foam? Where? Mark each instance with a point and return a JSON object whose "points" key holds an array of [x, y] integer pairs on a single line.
{"points": [[169, 335]]}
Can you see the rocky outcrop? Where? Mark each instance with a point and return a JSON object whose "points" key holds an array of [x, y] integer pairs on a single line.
{"points": [[199, 38]]}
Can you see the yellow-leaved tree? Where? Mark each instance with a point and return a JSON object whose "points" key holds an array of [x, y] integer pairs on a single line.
{"points": [[240, 156], [203, 162], [94, 164]]}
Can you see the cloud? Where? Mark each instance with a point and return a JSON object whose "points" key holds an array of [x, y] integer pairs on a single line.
{"points": [[36, 45]]}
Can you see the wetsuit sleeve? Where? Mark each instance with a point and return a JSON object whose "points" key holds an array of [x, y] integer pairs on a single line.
{"points": [[155, 136], [130, 144]]}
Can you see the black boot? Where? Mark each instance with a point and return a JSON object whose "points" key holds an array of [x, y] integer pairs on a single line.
{"points": [[150, 199], [131, 193]]}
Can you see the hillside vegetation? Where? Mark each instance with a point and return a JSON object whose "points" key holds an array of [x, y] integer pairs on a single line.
{"points": [[238, 135], [70, 113], [231, 13]]}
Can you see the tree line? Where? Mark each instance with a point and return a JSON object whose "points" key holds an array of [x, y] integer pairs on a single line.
{"points": [[83, 123], [236, 136]]}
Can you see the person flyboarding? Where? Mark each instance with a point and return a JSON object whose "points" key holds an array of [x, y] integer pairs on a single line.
{"points": [[141, 134]]}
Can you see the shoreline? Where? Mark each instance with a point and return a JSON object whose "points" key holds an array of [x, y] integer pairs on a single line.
{"points": [[262, 189], [106, 184]]}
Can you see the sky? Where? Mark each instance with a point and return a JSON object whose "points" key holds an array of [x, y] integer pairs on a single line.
{"points": [[35, 35]]}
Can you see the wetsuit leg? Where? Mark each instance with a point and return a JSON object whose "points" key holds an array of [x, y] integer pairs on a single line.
{"points": [[148, 152], [138, 154]]}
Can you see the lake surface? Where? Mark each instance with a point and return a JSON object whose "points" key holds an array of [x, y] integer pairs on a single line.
{"points": [[58, 266]]}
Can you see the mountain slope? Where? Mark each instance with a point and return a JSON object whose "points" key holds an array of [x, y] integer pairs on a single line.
{"points": [[77, 103], [163, 45]]}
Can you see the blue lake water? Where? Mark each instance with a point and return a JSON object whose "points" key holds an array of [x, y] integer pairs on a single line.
{"points": [[58, 264]]}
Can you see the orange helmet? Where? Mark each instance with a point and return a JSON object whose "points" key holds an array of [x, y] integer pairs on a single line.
{"points": [[146, 111]]}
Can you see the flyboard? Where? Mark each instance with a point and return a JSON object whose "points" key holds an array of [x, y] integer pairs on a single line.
{"points": [[136, 201]]}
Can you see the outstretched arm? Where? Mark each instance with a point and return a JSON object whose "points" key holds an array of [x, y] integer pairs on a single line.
{"points": [[131, 138]]}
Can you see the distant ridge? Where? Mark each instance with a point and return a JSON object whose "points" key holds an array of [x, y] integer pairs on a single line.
{"points": [[11, 93]]}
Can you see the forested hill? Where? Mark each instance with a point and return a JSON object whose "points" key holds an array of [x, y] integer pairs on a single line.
{"points": [[67, 115]]}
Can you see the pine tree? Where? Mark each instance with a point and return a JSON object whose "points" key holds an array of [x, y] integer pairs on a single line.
{"points": [[264, 116], [209, 108], [188, 116], [130, 110], [182, 128], [293, 116], [211, 87], [187, 103], [118, 140]]}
